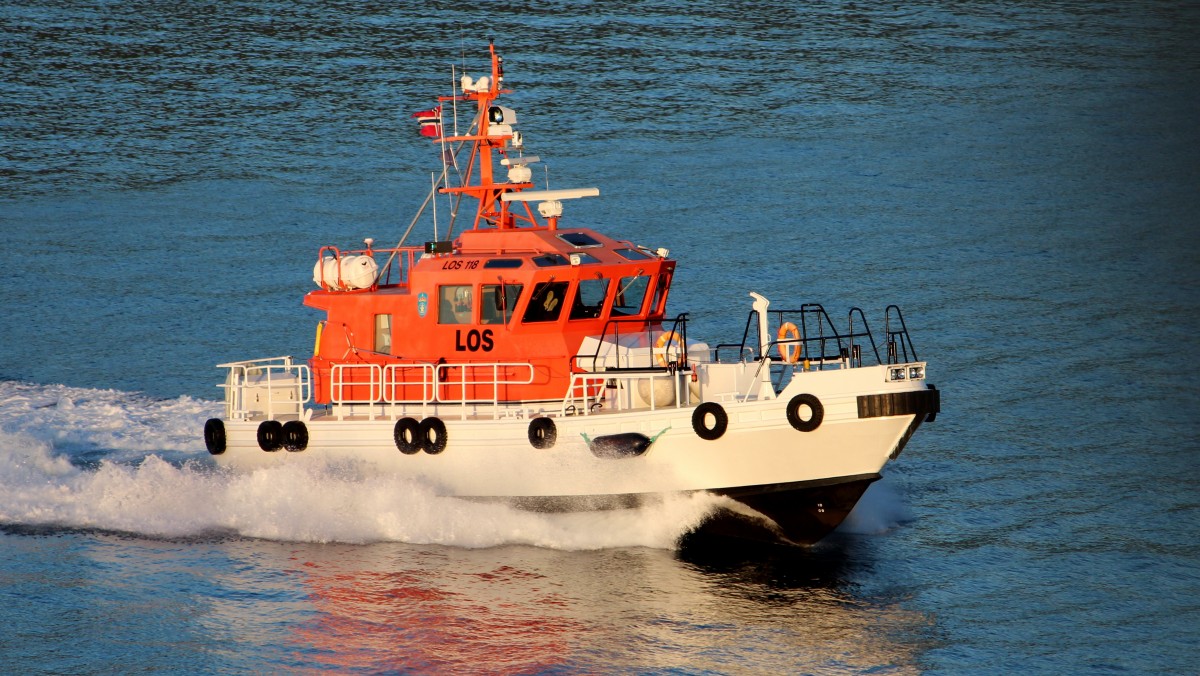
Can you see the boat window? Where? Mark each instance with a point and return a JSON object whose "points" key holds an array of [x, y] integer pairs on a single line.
{"points": [[633, 254], [585, 258], [504, 263], [579, 239], [497, 302], [631, 293], [589, 298], [548, 260], [383, 334], [546, 302], [454, 304], [660, 290]]}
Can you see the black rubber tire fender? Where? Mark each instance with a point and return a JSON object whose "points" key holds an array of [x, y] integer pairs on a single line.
{"points": [[407, 434], [295, 436], [432, 434], [814, 405], [700, 421], [542, 433], [270, 435], [214, 436]]}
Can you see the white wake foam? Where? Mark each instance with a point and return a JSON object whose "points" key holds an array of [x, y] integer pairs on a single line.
{"points": [[132, 488]]}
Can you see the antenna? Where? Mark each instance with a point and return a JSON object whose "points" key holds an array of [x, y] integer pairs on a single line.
{"points": [[433, 191], [454, 98]]}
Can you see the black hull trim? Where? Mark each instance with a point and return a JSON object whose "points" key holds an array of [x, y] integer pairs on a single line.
{"points": [[798, 513], [925, 404]]}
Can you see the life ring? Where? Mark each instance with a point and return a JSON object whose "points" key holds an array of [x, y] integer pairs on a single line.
{"points": [[700, 420], [270, 435], [660, 346], [407, 436], [295, 436], [542, 433], [432, 433], [790, 352], [214, 436], [814, 406]]}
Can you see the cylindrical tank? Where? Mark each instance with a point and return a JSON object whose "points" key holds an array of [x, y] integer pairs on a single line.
{"points": [[357, 272]]}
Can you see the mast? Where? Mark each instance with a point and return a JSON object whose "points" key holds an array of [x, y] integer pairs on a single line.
{"points": [[493, 134]]}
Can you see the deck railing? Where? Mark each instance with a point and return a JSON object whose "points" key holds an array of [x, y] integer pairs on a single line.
{"points": [[672, 353], [269, 387], [612, 391], [819, 343], [385, 390]]}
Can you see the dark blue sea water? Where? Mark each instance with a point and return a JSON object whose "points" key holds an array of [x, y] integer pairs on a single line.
{"points": [[1023, 178]]}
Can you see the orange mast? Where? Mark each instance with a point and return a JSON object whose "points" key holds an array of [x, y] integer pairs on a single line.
{"points": [[494, 132]]}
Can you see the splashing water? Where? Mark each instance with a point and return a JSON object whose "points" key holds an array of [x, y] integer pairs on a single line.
{"points": [[47, 435]]}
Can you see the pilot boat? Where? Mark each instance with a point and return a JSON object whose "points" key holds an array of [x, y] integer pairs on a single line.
{"points": [[534, 362]]}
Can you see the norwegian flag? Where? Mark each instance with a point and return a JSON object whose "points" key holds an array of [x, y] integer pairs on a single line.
{"points": [[430, 121]]}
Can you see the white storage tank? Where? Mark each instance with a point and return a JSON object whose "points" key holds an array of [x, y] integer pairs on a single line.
{"points": [[357, 272]]}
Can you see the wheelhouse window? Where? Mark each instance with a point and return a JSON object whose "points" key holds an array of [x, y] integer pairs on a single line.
{"points": [[660, 292], [633, 254], [545, 303], [579, 240], [583, 259], [631, 294], [383, 334], [497, 302], [589, 298], [503, 263], [550, 260], [455, 304]]}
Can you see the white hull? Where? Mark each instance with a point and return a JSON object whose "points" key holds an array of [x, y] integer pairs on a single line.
{"points": [[759, 452]]}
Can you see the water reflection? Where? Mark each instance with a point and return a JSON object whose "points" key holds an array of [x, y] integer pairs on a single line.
{"points": [[521, 609]]}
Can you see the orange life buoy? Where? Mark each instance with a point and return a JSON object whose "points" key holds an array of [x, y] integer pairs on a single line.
{"points": [[791, 352], [660, 347]]}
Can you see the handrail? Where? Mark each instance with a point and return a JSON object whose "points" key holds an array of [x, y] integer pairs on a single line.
{"points": [[817, 331], [406, 254], [678, 327], [384, 385], [370, 384], [855, 354], [580, 401], [276, 376], [440, 381], [338, 385], [899, 336], [392, 384]]}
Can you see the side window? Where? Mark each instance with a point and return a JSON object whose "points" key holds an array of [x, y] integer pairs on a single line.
{"points": [[455, 304], [546, 302], [383, 334], [589, 298], [497, 302], [660, 290], [631, 293]]}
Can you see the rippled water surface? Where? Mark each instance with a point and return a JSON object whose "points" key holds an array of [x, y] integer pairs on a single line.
{"points": [[1022, 178]]}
